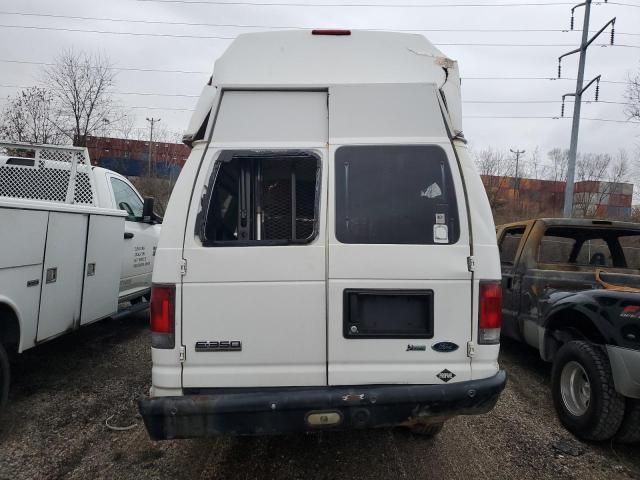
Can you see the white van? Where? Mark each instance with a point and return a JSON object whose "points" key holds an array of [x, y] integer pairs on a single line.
{"points": [[328, 257]]}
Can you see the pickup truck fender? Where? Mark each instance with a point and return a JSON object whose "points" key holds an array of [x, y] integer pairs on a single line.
{"points": [[577, 315]]}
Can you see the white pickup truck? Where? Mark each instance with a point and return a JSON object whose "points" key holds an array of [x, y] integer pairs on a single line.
{"points": [[75, 242]]}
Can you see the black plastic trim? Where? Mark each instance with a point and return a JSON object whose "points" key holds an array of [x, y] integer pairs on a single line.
{"points": [[348, 321], [284, 410]]}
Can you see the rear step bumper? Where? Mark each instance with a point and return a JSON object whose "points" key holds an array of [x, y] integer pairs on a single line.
{"points": [[286, 410]]}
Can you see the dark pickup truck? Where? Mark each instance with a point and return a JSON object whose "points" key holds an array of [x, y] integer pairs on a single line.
{"points": [[571, 289]]}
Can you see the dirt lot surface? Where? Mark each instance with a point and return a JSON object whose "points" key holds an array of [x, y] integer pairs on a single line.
{"points": [[64, 391]]}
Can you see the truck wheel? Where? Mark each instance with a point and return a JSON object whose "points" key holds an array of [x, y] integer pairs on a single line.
{"points": [[630, 429], [4, 377], [427, 429], [583, 392]]}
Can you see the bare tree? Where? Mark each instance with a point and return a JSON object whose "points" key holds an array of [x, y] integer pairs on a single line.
{"points": [[536, 163], [603, 175], [81, 85], [30, 116], [556, 169], [496, 168], [126, 128], [632, 96]]}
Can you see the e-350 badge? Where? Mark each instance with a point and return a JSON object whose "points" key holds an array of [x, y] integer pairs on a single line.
{"points": [[219, 346]]}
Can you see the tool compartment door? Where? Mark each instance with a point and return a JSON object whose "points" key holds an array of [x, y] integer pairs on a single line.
{"points": [[61, 292], [399, 288], [102, 267], [253, 297]]}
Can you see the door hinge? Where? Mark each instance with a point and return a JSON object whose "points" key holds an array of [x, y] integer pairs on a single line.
{"points": [[183, 267], [471, 349], [471, 263], [183, 353]]}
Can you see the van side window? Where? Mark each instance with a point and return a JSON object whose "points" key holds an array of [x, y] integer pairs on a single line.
{"points": [[262, 199], [509, 245], [395, 194], [126, 199]]}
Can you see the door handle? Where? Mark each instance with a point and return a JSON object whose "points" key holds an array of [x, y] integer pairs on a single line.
{"points": [[128, 235], [509, 283]]}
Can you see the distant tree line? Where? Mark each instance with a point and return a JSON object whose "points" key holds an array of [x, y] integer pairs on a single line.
{"points": [[502, 173]]}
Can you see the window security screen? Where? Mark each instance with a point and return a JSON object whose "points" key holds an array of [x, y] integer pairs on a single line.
{"points": [[266, 198]]}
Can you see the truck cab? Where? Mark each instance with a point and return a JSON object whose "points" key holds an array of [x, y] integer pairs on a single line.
{"points": [[141, 232], [328, 257]]}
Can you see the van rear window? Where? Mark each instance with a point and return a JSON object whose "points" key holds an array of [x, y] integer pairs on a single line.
{"points": [[262, 198], [394, 194]]}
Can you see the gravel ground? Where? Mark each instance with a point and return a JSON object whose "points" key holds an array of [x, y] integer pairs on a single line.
{"points": [[64, 391]]}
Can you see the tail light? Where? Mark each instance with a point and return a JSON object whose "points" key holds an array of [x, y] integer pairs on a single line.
{"points": [[163, 320], [490, 315]]}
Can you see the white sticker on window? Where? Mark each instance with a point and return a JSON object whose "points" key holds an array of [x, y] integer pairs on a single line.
{"points": [[440, 233], [432, 191]]}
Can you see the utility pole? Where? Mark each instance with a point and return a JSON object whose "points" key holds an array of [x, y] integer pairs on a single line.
{"points": [[152, 121], [573, 146], [516, 183]]}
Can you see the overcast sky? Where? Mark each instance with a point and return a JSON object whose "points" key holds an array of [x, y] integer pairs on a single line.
{"points": [[189, 54]]}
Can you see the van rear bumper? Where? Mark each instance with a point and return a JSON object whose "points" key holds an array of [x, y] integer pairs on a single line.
{"points": [[285, 410]]}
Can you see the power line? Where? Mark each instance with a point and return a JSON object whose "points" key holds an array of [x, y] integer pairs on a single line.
{"points": [[153, 94], [367, 5], [150, 94], [621, 3], [184, 95], [515, 117], [542, 117], [128, 69], [507, 102], [624, 82], [202, 72], [220, 37], [110, 32], [380, 5], [295, 27]]}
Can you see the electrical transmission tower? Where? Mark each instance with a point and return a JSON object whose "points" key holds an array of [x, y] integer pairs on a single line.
{"points": [[577, 96]]}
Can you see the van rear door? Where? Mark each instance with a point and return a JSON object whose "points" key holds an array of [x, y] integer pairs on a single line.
{"points": [[254, 294], [399, 287]]}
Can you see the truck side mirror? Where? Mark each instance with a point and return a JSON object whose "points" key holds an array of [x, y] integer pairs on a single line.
{"points": [[147, 210]]}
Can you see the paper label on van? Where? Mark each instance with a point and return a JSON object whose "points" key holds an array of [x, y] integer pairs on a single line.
{"points": [[432, 191], [440, 233]]}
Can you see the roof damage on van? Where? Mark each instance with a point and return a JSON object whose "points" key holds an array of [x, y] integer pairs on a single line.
{"points": [[299, 59]]}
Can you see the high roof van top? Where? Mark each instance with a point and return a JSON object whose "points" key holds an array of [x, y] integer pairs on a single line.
{"points": [[293, 59], [328, 256]]}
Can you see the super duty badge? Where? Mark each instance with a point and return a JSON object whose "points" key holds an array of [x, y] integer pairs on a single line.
{"points": [[219, 346], [445, 375]]}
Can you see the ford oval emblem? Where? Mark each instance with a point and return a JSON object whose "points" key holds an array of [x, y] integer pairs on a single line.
{"points": [[445, 347]]}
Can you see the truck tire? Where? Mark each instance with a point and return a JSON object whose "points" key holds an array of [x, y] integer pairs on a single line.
{"points": [[427, 429], [583, 393], [630, 429], [4, 377]]}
